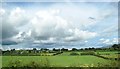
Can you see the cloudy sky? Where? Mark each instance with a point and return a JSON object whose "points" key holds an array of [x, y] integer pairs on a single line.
{"points": [[28, 25]]}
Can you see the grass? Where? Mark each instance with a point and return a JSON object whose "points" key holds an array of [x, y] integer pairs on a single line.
{"points": [[111, 56], [100, 52], [62, 60], [0, 61], [108, 52], [56, 61]]}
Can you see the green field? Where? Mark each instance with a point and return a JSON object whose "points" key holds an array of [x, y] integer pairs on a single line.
{"points": [[61, 60], [57, 61]]}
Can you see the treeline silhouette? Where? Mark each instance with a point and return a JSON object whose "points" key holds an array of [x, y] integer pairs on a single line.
{"points": [[35, 52]]}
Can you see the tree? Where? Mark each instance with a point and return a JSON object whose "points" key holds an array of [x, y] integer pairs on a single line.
{"points": [[53, 49], [116, 46], [74, 49], [64, 49], [34, 50], [46, 49], [86, 49], [12, 50], [81, 49]]}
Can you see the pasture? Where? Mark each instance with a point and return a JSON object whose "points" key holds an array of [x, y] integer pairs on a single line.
{"points": [[61, 60]]}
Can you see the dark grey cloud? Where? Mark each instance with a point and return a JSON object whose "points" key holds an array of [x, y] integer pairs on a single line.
{"points": [[8, 42], [8, 30]]}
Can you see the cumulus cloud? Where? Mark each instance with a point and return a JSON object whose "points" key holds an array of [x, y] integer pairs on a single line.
{"points": [[2, 11], [71, 25], [11, 21], [80, 35], [47, 24], [18, 17]]}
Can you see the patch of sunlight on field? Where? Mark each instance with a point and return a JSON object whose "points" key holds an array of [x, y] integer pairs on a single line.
{"points": [[108, 52], [112, 56]]}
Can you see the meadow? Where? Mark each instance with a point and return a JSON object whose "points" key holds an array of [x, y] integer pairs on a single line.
{"points": [[61, 60]]}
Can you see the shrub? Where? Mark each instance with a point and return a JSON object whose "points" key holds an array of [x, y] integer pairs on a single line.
{"points": [[46, 62], [16, 63], [33, 64], [42, 63]]}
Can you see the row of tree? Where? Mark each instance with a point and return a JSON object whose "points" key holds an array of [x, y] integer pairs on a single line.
{"points": [[45, 50]]}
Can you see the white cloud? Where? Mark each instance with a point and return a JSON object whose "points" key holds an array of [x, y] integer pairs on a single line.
{"points": [[80, 35], [78, 15], [86, 41], [2, 11], [106, 41], [50, 40], [102, 39], [84, 34], [73, 22], [115, 40], [83, 16], [9, 22], [46, 24], [18, 17]]}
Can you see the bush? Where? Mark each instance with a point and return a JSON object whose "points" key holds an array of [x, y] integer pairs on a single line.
{"points": [[73, 53], [33, 64], [16, 63]]}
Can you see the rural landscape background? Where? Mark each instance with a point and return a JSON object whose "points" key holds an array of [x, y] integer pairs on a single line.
{"points": [[59, 34]]}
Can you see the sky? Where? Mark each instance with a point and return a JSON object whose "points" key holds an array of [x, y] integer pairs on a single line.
{"points": [[27, 25]]}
